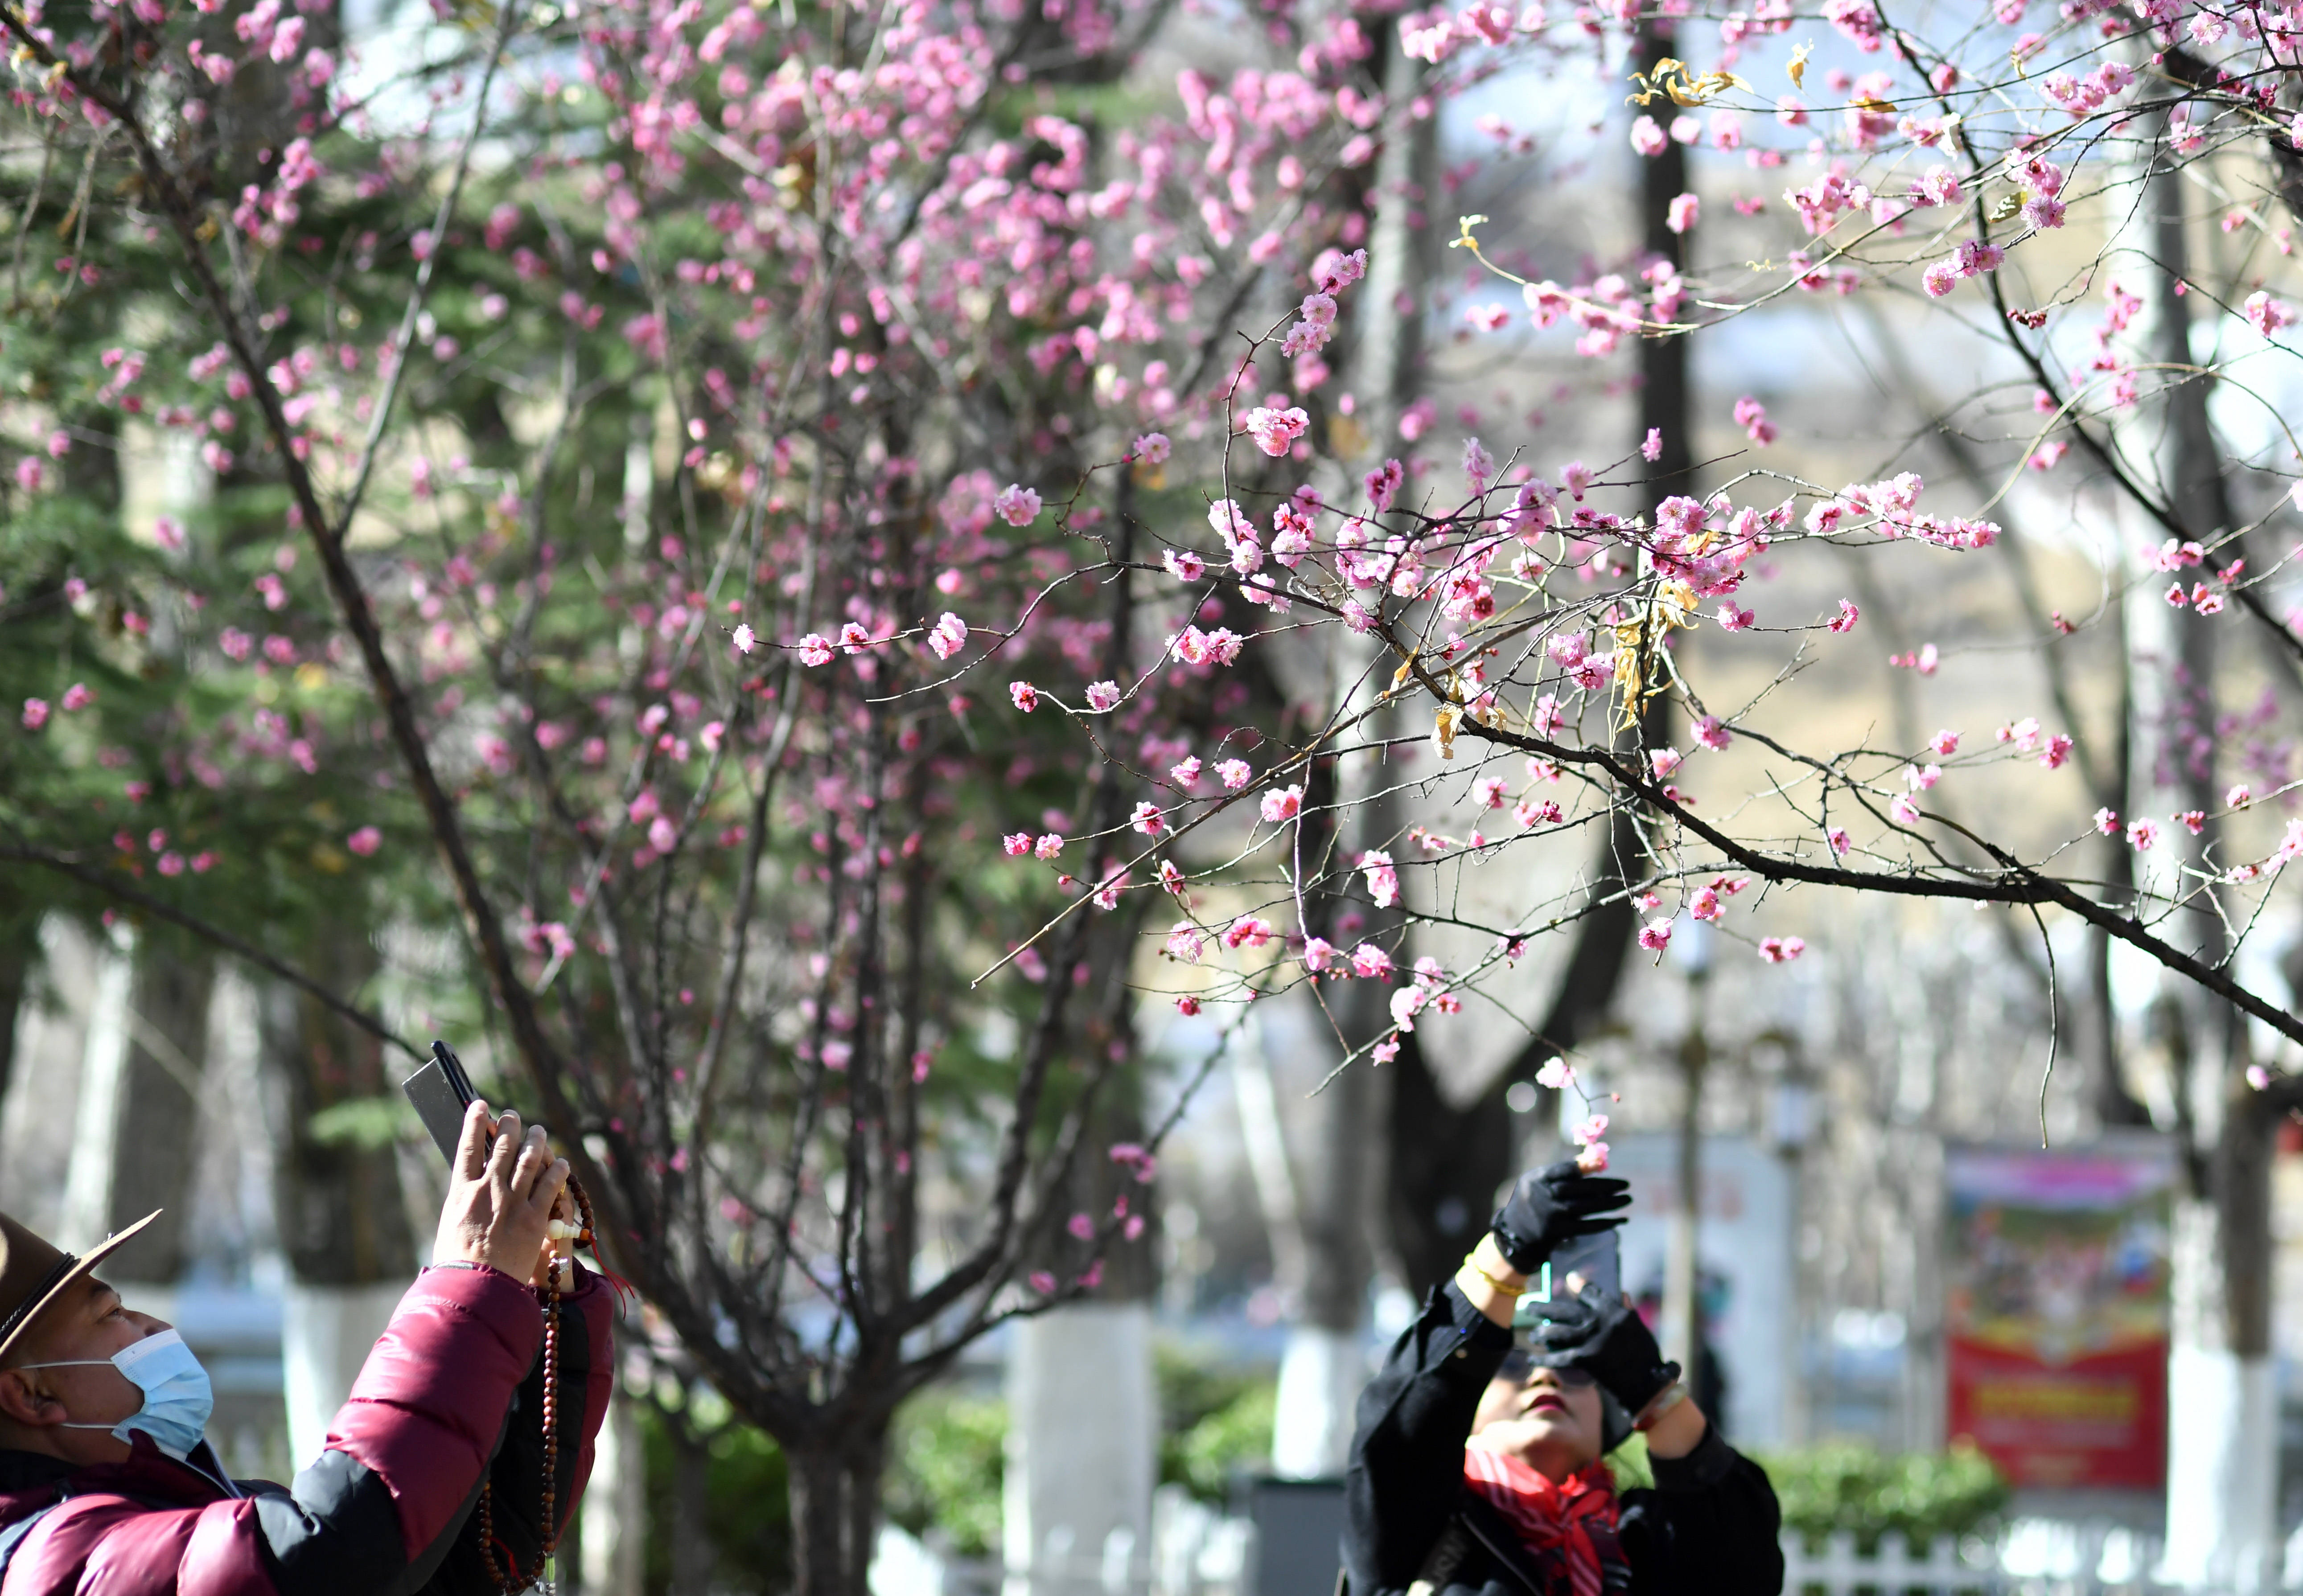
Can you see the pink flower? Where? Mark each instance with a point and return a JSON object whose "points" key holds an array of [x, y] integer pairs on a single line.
{"points": [[1590, 1131], [1593, 1159], [1684, 210], [1848, 615], [1042, 1281], [947, 636], [1319, 953], [2142, 835], [1282, 805], [1234, 773], [1656, 935], [2193, 820], [1081, 1226], [1275, 431], [1488, 792], [2239, 797], [814, 649], [1187, 1006], [1186, 943], [1151, 448], [1902, 810], [1944, 744], [1651, 446], [1017, 843], [168, 533], [743, 639], [1940, 278], [1733, 618], [1479, 465], [365, 841], [1026, 696], [2264, 314], [36, 713], [1185, 772], [1370, 962], [1102, 695], [2058, 750], [1406, 1003], [1382, 879], [1248, 932], [1555, 1074], [77, 697], [172, 864], [1712, 733], [1837, 837], [2106, 821], [1184, 565], [1050, 844], [1780, 950], [1017, 506], [1147, 818], [1647, 137]]}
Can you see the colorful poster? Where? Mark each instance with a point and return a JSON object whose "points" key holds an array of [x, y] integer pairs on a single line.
{"points": [[2056, 1317]]}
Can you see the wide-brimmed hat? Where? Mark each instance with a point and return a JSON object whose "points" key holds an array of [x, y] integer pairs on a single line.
{"points": [[35, 1273]]}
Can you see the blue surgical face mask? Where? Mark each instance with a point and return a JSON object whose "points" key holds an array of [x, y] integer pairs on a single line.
{"points": [[177, 1397]]}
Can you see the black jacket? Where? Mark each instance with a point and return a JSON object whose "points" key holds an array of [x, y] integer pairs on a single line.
{"points": [[1709, 1526]]}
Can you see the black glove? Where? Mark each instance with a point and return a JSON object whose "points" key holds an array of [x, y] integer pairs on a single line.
{"points": [[1552, 1206], [1600, 1333]]}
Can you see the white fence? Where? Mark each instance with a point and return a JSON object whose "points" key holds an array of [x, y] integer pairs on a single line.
{"points": [[1195, 1551]]}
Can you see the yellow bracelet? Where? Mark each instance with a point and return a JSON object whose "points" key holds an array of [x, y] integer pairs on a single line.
{"points": [[1472, 1263]]}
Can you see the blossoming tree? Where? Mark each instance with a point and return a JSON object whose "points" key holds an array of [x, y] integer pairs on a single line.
{"points": [[850, 528]]}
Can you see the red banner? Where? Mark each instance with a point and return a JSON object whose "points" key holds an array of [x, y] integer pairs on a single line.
{"points": [[2057, 1311], [2098, 1421]]}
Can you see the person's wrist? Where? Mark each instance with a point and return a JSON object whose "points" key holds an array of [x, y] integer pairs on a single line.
{"points": [[1488, 1258]]}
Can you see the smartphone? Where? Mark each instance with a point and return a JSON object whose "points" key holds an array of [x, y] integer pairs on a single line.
{"points": [[1593, 1260], [440, 1092]]}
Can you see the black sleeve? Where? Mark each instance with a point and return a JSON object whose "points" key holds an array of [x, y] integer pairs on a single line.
{"points": [[516, 1478], [1709, 1526], [1406, 1468]]}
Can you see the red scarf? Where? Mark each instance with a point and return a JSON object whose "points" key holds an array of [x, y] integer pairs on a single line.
{"points": [[1555, 1520]]}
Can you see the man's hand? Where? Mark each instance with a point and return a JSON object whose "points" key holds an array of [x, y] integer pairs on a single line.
{"points": [[501, 1196], [1551, 1206]]}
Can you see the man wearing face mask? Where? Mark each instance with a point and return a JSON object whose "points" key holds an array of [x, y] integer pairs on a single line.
{"points": [[107, 1483], [1478, 1466]]}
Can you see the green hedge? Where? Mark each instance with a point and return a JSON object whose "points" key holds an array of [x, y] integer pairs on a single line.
{"points": [[1847, 1486]]}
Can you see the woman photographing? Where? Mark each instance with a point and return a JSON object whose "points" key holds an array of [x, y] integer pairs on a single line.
{"points": [[1479, 1464]]}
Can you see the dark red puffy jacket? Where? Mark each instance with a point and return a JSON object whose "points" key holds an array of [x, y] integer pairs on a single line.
{"points": [[452, 1395]]}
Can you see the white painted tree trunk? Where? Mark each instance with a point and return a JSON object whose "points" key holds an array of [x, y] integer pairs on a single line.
{"points": [[2222, 1434], [1321, 1375], [104, 1067], [1082, 1448], [325, 1334], [615, 1505]]}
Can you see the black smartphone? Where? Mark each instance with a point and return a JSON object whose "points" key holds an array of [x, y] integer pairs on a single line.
{"points": [[440, 1092], [1595, 1261]]}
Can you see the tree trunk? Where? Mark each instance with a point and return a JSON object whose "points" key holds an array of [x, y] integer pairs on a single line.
{"points": [[691, 1505], [2222, 1461], [20, 954], [835, 1496]]}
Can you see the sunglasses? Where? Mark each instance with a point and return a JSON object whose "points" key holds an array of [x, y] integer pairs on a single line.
{"points": [[1517, 1366]]}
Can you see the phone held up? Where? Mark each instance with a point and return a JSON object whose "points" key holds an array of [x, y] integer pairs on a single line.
{"points": [[440, 1092]]}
